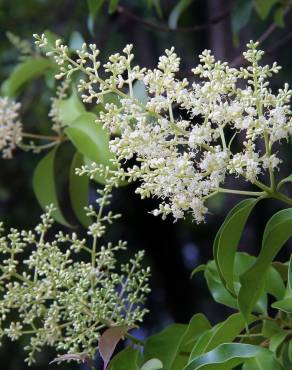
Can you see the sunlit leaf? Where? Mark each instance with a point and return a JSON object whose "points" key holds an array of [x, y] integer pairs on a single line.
{"points": [[153, 364], [223, 332], [68, 110], [229, 355], [90, 139], [23, 73]]}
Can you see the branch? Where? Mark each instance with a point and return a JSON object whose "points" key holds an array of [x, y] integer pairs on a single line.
{"points": [[162, 28], [240, 61]]}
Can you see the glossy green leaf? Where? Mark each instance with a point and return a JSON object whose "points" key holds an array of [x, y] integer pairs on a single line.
{"points": [[284, 305], [90, 139], [78, 190], [274, 283], [68, 110], [197, 326], [100, 179], [165, 344], [223, 332], [45, 187], [270, 328], [227, 331], [153, 364], [261, 362], [220, 294], [125, 360], [229, 355], [177, 12], [276, 340], [264, 7], [24, 72], [235, 209], [108, 342], [228, 239], [277, 231]]}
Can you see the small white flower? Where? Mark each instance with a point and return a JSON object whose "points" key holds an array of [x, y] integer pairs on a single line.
{"points": [[10, 127]]}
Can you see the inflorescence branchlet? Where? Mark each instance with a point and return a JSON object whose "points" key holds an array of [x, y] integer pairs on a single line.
{"points": [[64, 291], [10, 126], [178, 136]]}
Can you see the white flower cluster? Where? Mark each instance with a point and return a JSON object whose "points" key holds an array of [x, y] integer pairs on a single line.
{"points": [[58, 298], [181, 137], [10, 127]]}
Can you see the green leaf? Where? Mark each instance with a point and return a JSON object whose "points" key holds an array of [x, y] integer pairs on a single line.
{"points": [[177, 12], [197, 326], [276, 340], [113, 5], [223, 332], [290, 351], [220, 294], [125, 360], [227, 239], [164, 345], [240, 14], [279, 16], [284, 305], [261, 362], [90, 139], [140, 92], [289, 284], [229, 355], [274, 283], [45, 187], [24, 72], [94, 6], [263, 7], [68, 110], [76, 41], [153, 364], [108, 342], [78, 190], [277, 231], [198, 269]]}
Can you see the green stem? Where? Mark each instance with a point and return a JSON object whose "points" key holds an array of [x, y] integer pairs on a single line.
{"points": [[40, 137], [242, 192]]}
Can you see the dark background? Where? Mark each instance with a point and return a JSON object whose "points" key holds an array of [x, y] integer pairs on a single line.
{"points": [[172, 249]]}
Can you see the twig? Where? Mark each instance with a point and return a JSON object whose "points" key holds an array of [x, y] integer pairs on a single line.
{"points": [[240, 61], [162, 28]]}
